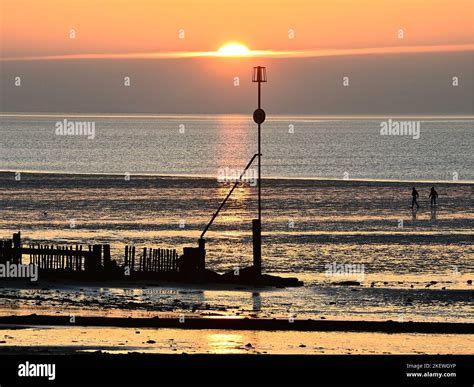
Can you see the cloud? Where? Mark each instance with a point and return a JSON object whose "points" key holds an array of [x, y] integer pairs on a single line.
{"points": [[256, 53]]}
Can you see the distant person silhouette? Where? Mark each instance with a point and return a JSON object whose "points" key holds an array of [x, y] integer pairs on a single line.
{"points": [[414, 195], [433, 196]]}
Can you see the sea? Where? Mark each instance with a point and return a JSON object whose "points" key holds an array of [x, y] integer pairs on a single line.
{"points": [[336, 207]]}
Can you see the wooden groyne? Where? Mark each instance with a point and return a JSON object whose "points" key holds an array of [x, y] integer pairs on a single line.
{"points": [[89, 261], [152, 260], [94, 262]]}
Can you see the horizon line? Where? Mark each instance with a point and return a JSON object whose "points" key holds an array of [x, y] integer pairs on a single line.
{"points": [[315, 53], [200, 115]]}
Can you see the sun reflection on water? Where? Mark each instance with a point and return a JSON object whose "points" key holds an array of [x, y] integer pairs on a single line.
{"points": [[225, 343]]}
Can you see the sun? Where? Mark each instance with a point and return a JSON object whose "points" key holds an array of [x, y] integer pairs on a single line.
{"points": [[233, 49]]}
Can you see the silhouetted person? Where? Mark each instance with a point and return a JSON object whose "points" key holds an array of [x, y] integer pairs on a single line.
{"points": [[414, 196], [433, 196]]}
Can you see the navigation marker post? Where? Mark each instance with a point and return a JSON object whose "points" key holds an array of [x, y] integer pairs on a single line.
{"points": [[259, 75]]}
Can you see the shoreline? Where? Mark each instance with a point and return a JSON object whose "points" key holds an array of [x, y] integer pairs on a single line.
{"points": [[213, 177], [389, 326]]}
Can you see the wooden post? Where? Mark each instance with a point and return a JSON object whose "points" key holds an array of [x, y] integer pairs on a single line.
{"points": [[79, 260], [17, 247], [8, 250], [82, 261], [97, 256], [50, 257], [75, 259], [92, 261], [107, 259], [133, 258]]}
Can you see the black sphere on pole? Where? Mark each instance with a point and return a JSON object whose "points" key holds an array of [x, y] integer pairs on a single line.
{"points": [[259, 116]]}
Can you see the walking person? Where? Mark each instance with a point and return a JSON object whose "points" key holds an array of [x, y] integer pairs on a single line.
{"points": [[433, 196], [414, 196]]}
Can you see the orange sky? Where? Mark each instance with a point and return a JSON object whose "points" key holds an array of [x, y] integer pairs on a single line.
{"points": [[41, 27]]}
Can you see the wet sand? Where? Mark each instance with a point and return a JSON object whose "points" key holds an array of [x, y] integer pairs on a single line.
{"points": [[77, 340], [420, 272], [390, 300], [46, 334]]}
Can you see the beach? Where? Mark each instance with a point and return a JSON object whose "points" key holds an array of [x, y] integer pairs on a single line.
{"points": [[204, 192], [419, 272], [362, 253], [108, 340]]}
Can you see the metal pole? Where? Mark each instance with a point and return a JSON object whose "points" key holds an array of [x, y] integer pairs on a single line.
{"points": [[259, 76], [259, 163], [228, 195], [257, 225]]}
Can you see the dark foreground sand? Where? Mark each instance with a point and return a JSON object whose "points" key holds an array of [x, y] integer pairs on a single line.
{"points": [[243, 324], [60, 340]]}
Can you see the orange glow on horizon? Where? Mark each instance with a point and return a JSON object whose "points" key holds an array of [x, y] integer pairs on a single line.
{"points": [[235, 52], [33, 28]]}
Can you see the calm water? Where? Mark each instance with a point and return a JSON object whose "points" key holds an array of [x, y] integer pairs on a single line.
{"points": [[307, 223], [201, 145]]}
